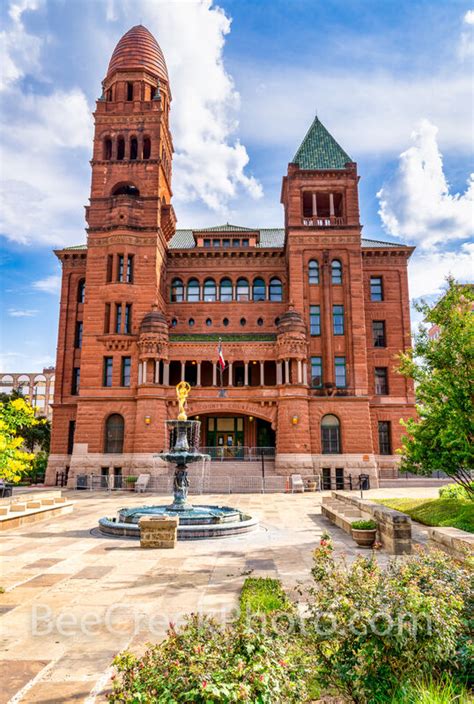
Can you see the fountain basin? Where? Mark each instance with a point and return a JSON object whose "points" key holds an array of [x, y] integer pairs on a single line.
{"points": [[195, 523]]}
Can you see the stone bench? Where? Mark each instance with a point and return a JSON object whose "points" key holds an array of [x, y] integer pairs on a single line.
{"points": [[25, 508], [457, 543], [393, 527]]}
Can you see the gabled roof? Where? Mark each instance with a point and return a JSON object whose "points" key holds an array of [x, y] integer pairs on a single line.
{"points": [[225, 228], [319, 150]]}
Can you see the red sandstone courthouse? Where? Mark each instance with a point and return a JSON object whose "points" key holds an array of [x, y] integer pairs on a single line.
{"points": [[311, 315]]}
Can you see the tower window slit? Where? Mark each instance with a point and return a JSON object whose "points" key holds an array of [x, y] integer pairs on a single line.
{"points": [[129, 91], [146, 148], [133, 148]]}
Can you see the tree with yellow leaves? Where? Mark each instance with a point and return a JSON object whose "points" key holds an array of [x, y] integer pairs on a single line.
{"points": [[14, 462]]}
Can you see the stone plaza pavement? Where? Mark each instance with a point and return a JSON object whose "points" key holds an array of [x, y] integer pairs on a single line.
{"points": [[74, 599]]}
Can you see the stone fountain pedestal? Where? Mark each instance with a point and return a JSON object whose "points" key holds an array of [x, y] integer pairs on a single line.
{"points": [[158, 531]]}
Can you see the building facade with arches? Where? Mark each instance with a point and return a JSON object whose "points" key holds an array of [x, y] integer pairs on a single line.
{"points": [[310, 315], [36, 387]]}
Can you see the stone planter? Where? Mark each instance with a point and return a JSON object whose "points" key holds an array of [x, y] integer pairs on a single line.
{"points": [[364, 538]]}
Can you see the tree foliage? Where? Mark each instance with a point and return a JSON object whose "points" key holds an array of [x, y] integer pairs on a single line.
{"points": [[15, 415], [441, 438]]}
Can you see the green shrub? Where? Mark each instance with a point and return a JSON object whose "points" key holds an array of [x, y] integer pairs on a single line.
{"points": [[263, 595], [364, 525], [371, 628], [208, 663], [131, 479], [455, 491]]}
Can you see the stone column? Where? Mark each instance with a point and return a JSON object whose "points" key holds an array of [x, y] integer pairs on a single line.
{"points": [[198, 379], [262, 374], [157, 371], [300, 372], [279, 373], [305, 373], [183, 370], [214, 374], [315, 207], [287, 371], [246, 373], [145, 362], [229, 375], [140, 373], [166, 373], [331, 204]]}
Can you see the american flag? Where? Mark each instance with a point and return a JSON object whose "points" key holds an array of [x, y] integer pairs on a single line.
{"points": [[220, 356]]}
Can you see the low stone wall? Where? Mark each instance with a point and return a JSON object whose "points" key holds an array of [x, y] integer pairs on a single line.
{"points": [[457, 543], [24, 496], [394, 527]]}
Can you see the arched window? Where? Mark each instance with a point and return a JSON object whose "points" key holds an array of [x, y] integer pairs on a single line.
{"points": [[107, 148], [276, 290], [120, 148], [243, 292], [177, 291], [259, 290], [336, 271], [6, 384], [192, 293], [23, 384], [225, 290], [146, 147], [330, 435], [210, 290], [313, 271], [125, 189], [114, 433], [133, 148], [81, 291]]}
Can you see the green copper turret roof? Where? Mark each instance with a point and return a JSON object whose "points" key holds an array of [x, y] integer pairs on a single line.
{"points": [[319, 150]]}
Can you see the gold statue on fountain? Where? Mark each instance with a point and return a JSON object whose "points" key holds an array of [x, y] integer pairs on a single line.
{"points": [[182, 392]]}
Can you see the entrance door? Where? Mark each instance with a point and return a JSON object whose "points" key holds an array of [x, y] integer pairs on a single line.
{"points": [[225, 437]]}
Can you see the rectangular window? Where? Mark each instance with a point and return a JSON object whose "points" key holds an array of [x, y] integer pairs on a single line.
{"points": [[118, 318], [245, 243], [125, 372], [338, 320], [376, 288], [226, 243], [130, 269], [385, 443], [316, 372], [78, 337], [378, 333], [315, 320], [120, 263], [381, 381], [235, 243], [128, 319], [107, 371], [216, 243], [107, 319], [70, 436], [110, 267], [340, 372], [339, 479], [207, 243], [76, 381]]}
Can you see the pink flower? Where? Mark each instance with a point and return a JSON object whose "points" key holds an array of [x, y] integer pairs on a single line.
{"points": [[204, 684]]}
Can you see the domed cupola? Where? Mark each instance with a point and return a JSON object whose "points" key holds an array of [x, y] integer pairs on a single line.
{"points": [[154, 322], [139, 50], [291, 321], [291, 340]]}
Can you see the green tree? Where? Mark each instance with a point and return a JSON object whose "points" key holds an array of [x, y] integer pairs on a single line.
{"points": [[441, 438], [14, 462]]}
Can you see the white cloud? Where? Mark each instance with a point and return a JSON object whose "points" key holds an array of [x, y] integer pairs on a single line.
{"points": [[50, 284], [18, 313], [466, 45], [209, 163], [16, 362], [19, 52], [416, 205], [428, 270]]}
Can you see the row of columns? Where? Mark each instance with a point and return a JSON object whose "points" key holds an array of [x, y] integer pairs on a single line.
{"points": [[331, 205], [161, 372]]}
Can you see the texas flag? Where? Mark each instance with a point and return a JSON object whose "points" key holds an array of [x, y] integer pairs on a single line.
{"points": [[220, 356]]}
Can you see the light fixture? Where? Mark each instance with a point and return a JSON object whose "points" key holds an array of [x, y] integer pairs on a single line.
{"points": [[193, 362], [147, 420], [196, 417], [254, 362], [295, 420], [251, 419]]}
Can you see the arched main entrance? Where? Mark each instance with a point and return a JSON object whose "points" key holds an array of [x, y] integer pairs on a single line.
{"points": [[228, 436]]}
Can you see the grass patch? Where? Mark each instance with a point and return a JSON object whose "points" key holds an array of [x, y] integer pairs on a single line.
{"points": [[433, 691], [262, 595], [454, 513]]}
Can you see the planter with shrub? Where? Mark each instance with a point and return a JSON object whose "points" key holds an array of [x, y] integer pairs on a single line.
{"points": [[364, 533], [130, 481]]}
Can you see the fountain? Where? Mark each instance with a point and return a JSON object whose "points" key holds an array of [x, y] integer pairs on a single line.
{"points": [[195, 522]]}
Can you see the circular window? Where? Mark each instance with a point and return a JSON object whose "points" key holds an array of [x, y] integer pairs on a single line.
{"points": [[191, 322], [225, 321], [174, 323], [243, 322], [208, 322], [260, 322], [277, 321]]}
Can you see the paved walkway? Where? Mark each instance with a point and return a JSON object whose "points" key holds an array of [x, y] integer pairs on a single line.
{"points": [[74, 598]]}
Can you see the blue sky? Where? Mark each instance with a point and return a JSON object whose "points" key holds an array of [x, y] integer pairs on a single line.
{"points": [[392, 81]]}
